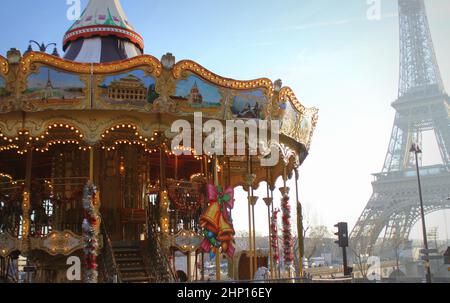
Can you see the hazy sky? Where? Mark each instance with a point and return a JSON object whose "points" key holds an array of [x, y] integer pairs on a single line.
{"points": [[326, 50]]}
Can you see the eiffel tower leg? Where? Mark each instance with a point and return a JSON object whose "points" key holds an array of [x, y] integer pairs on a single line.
{"points": [[442, 132]]}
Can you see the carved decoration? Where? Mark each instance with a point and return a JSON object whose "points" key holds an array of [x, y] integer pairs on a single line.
{"points": [[8, 244], [58, 243], [150, 63], [4, 66], [188, 65], [302, 126], [187, 241], [165, 87], [6, 102]]}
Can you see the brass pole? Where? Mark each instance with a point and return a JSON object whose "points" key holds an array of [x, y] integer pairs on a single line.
{"points": [[162, 173], [299, 227], [218, 255], [277, 265], [203, 266], [176, 167], [91, 164], [250, 245], [195, 266], [26, 203], [268, 203], [285, 185], [254, 199], [189, 268], [205, 163], [255, 255]]}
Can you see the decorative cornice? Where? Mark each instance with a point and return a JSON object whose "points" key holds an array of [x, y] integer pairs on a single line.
{"points": [[154, 64], [4, 66], [58, 243], [186, 241], [286, 93], [8, 244], [194, 67]]}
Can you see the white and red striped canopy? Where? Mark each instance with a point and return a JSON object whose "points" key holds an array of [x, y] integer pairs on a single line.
{"points": [[102, 34]]}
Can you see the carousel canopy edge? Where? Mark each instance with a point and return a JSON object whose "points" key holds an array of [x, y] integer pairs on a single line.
{"points": [[147, 83]]}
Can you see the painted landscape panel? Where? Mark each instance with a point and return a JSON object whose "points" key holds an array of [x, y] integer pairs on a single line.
{"points": [[53, 86], [295, 125], [249, 105], [195, 94], [130, 88]]}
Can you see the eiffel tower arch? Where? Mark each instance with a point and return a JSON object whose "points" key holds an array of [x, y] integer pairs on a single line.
{"points": [[422, 105]]}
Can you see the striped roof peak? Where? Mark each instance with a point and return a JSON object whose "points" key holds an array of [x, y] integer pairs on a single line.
{"points": [[103, 12], [102, 32]]}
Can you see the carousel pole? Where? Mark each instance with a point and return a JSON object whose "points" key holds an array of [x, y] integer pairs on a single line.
{"points": [[287, 236], [189, 266], [91, 164], [268, 201], [255, 255], [249, 197], [161, 166], [176, 167], [216, 183], [26, 203], [277, 273], [196, 266], [254, 200], [278, 264], [299, 226], [228, 184], [203, 266]]}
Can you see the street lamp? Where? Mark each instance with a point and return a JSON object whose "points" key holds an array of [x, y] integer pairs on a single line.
{"points": [[42, 47], [415, 148]]}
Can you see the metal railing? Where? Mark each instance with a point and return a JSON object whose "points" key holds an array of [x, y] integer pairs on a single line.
{"points": [[110, 269], [56, 204], [11, 198], [160, 267]]}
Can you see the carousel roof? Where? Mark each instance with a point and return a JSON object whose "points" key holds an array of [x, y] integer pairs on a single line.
{"points": [[102, 34]]}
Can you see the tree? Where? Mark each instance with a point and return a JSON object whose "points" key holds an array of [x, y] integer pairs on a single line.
{"points": [[315, 240]]}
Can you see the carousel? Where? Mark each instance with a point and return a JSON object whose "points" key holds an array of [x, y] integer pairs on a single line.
{"points": [[88, 170]]}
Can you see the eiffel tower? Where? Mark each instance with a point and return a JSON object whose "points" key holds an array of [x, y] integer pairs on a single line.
{"points": [[422, 105]]}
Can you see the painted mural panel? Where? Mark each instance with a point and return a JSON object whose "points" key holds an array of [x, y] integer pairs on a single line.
{"points": [[295, 125], [3, 92], [195, 94], [130, 88], [54, 87], [249, 105]]}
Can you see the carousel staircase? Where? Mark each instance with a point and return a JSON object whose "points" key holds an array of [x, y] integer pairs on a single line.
{"points": [[130, 263]]}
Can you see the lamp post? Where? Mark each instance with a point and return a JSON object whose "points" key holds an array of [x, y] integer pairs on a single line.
{"points": [[42, 47], [415, 148]]}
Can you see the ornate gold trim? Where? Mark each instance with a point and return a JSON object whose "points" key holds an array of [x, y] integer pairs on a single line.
{"points": [[148, 63], [6, 103], [186, 241], [314, 120], [58, 243], [288, 95], [9, 244], [194, 67], [154, 65], [4, 66]]}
